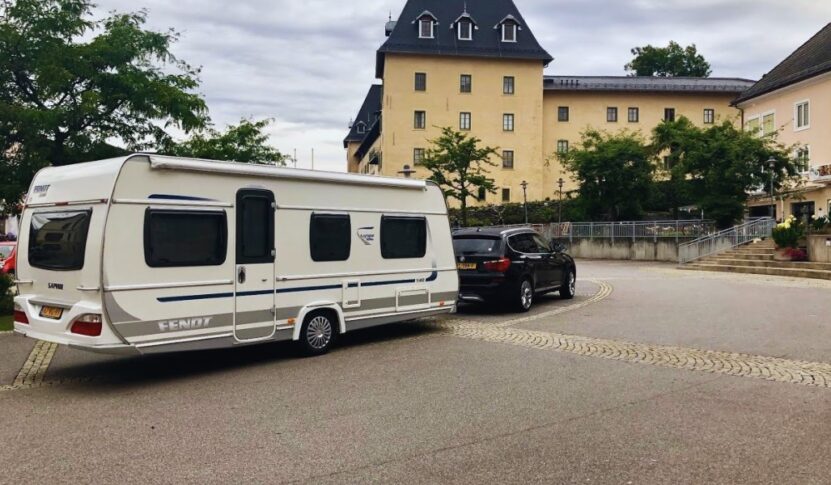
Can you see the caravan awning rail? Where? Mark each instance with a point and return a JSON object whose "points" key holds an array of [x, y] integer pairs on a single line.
{"points": [[169, 163]]}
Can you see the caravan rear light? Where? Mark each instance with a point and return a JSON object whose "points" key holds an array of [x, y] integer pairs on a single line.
{"points": [[20, 315], [88, 324], [501, 265]]}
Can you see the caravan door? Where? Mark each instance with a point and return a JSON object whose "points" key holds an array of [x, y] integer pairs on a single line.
{"points": [[255, 317]]}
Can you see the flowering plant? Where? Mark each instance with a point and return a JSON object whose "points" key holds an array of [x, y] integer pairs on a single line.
{"points": [[820, 224], [796, 254], [788, 233]]}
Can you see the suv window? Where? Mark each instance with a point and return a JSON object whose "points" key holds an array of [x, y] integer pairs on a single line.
{"points": [[542, 245], [523, 243], [476, 245]]}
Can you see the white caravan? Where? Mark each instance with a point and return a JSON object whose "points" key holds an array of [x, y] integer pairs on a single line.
{"points": [[146, 254]]}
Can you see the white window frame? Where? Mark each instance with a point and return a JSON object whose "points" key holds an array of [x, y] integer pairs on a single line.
{"points": [[469, 31], [713, 120], [465, 116], [562, 146], [421, 28], [515, 28], [762, 122], [423, 119], [360, 128], [505, 124], [806, 103], [418, 156], [505, 156], [505, 85], [797, 150], [752, 118]]}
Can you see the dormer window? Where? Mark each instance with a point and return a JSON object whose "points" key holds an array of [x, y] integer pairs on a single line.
{"points": [[426, 25], [361, 128], [509, 32], [465, 30], [509, 27], [425, 30]]}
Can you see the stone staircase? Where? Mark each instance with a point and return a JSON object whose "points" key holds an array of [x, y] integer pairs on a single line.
{"points": [[757, 258]]}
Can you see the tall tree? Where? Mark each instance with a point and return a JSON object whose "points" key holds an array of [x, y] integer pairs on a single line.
{"points": [[669, 61], [70, 83], [723, 164], [459, 166], [615, 174], [246, 142]]}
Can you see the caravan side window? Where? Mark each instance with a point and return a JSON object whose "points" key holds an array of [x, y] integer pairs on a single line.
{"points": [[330, 237], [174, 238], [403, 237]]}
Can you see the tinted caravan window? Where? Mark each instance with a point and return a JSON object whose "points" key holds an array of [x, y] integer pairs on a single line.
{"points": [[403, 237], [58, 240], [184, 238], [330, 237]]}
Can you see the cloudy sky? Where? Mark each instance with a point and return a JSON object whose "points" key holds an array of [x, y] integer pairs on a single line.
{"points": [[308, 64]]}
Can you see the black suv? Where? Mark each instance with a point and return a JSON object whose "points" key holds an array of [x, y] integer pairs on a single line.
{"points": [[511, 266]]}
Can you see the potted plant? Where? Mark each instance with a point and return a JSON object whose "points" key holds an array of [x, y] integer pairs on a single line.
{"points": [[786, 235]]}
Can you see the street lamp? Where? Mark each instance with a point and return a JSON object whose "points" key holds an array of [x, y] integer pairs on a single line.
{"points": [[524, 186], [407, 172], [772, 165], [560, 184]]}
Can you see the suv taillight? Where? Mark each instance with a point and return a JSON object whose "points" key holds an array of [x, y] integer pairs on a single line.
{"points": [[20, 315], [501, 265], [88, 324]]}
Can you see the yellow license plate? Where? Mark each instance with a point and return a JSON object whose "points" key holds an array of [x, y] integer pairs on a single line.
{"points": [[51, 312], [466, 266]]}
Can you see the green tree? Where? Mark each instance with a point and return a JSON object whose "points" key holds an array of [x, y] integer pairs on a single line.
{"points": [[246, 142], [669, 61], [458, 165], [614, 172], [70, 84], [722, 164]]}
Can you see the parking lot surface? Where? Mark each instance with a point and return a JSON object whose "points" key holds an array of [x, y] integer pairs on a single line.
{"points": [[650, 375]]}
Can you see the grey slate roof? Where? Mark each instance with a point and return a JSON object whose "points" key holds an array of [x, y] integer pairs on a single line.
{"points": [[367, 114], [647, 84], [487, 40], [811, 59]]}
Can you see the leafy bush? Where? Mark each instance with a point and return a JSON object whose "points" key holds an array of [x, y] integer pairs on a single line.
{"points": [[788, 233], [6, 297]]}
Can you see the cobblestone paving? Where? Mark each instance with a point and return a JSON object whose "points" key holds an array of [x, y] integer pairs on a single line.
{"points": [[33, 371], [716, 362]]}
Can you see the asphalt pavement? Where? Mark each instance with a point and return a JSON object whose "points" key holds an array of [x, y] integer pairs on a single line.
{"points": [[481, 397]]}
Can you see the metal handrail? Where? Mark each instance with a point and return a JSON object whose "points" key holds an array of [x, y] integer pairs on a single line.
{"points": [[725, 240]]}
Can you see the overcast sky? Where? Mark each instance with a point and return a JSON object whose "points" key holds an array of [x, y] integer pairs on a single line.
{"points": [[308, 64]]}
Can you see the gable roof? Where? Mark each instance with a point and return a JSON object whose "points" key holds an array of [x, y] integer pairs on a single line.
{"points": [[811, 59], [647, 84], [486, 42], [367, 114]]}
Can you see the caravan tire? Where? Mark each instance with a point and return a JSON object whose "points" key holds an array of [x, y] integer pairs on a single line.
{"points": [[318, 333]]}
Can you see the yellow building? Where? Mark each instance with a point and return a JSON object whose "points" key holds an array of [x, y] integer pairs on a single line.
{"points": [[477, 67], [794, 101]]}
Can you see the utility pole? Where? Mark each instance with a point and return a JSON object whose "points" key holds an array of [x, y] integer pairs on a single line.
{"points": [[313, 158]]}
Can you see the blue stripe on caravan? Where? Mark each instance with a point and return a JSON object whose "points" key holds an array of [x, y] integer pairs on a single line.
{"points": [[210, 296]]}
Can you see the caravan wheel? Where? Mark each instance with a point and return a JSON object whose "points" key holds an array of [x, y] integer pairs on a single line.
{"points": [[318, 333]]}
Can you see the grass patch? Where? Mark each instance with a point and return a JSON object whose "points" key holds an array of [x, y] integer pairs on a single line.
{"points": [[6, 323]]}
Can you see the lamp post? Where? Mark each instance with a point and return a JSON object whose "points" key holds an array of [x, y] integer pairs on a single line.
{"points": [[524, 186], [407, 172], [772, 165], [560, 184]]}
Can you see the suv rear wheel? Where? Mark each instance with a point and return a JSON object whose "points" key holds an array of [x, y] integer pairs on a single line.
{"points": [[523, 297], [569, 285]]}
